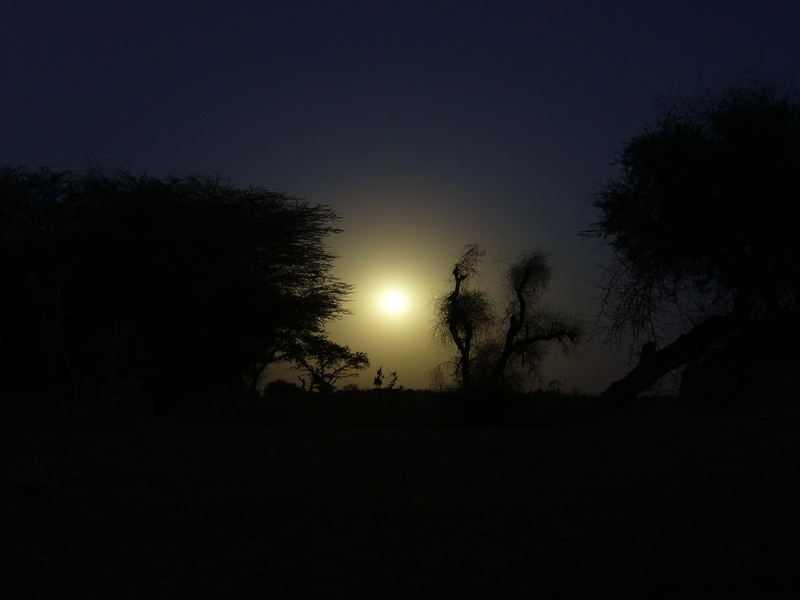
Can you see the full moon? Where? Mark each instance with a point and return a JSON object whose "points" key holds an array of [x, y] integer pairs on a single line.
{"points": [[393, 302]]}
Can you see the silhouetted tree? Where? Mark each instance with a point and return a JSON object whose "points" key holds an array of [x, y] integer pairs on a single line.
{"points": [[704, 248], [489, 345], [324, 361], [392, 381], [377, 382], [117, 283]]}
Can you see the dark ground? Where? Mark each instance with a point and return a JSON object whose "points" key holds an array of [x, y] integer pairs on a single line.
{"points": [[669, 504]]}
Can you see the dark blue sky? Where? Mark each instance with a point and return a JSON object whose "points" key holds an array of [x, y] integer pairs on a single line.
{"points": [[427, 125]]}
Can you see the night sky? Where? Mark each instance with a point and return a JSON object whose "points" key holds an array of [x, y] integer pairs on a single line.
{"points": [[426, 125]]}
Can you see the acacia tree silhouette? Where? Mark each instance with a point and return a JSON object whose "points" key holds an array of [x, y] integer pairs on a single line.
{"points": [[489, 346], [703, 247], [119, 283], [324, 361]]}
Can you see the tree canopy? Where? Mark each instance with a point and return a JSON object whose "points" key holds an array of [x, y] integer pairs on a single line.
{"points": [[699, 221], [117, 281]]}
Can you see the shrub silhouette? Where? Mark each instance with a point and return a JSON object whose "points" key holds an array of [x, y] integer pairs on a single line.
{"points": [[280, 388]]}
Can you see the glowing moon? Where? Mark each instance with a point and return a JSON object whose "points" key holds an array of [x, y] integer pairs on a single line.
{"points": [[393, 302]]}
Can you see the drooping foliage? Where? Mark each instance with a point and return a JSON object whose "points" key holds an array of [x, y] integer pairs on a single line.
{"points": [[500, 350], [120, 284]]}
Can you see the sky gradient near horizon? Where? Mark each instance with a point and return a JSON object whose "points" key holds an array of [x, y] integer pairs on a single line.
{"points": [[426, 125]]}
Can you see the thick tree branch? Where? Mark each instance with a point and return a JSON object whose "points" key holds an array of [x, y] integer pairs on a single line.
{"points": [[653, 364]]}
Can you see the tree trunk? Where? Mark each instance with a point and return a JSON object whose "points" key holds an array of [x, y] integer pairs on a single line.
{"points": [[464, 344], [653, 364]]}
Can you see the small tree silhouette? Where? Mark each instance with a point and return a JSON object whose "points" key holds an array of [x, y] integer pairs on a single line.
{"points": [[325, 362], [392, 381], [379, 377]]}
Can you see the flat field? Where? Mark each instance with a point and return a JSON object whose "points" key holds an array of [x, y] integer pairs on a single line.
{"points": [[666, 504]]}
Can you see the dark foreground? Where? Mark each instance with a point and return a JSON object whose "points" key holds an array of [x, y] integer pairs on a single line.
{"points": [[664, 505]]}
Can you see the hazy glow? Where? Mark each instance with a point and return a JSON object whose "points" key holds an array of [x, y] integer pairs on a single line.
{"points": [[394, 302]]}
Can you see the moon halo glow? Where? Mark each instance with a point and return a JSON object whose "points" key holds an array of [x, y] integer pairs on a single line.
{"points": [[393, 302]]}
